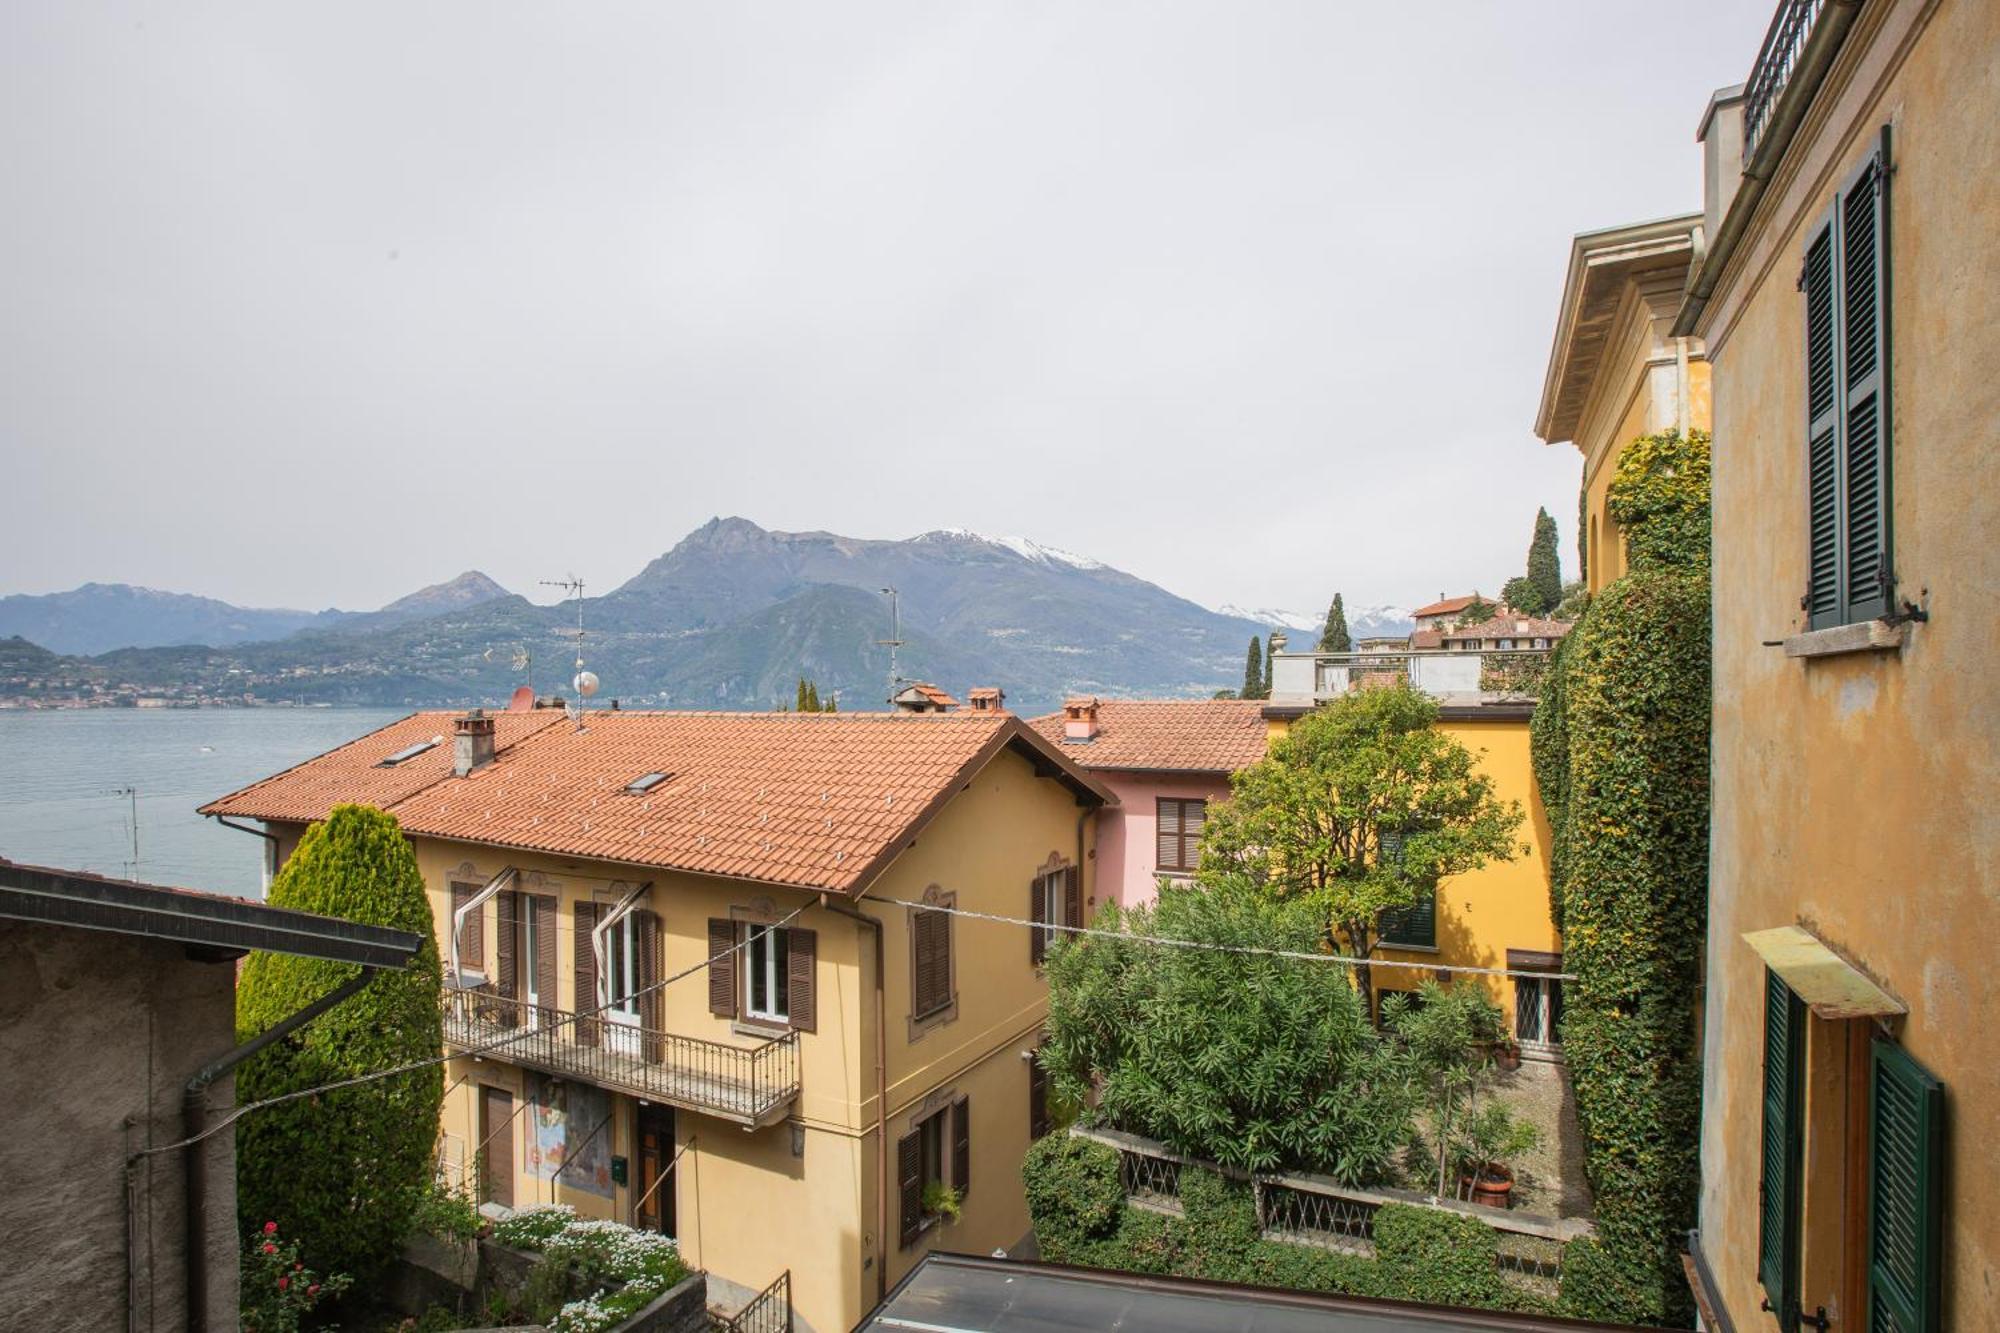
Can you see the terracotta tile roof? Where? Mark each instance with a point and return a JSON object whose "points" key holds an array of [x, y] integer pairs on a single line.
{"points": [[934, 694], [1427, 638], [1449, 606], [1167, 735], [1511, 627], [817, 800], [353, 772]]}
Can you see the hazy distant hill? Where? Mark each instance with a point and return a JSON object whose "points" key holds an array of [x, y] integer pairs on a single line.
{"points": [[99, 617], [734, 614]]}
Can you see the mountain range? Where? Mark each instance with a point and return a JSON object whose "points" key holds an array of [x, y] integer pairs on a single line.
{"points": [[731, 617]]}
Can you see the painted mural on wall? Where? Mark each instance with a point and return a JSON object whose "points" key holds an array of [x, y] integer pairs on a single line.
{"points": [[569, 1140]]}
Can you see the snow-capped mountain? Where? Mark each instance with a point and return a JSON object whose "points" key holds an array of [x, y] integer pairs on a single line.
{"points": [[1382, 620], [1025, 547], [1266, 615]]}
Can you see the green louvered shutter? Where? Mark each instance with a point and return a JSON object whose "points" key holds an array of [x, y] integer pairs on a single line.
{"points": [[1905, 1192], [1822, 445], [1865, 575], [1778, 1202]]}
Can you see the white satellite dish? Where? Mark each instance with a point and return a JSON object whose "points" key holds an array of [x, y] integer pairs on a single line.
{"points": [[586, 683]]}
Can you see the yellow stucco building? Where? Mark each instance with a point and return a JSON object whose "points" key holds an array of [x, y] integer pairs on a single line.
{"points": [[690, 996], [1849, 300], [1617, 370]]}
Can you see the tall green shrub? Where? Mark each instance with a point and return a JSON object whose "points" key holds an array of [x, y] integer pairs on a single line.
{"points": [[1333, 637], [342, 1171], [1253, 670], [1659, 497], [1548, 749], [1544, 565]]}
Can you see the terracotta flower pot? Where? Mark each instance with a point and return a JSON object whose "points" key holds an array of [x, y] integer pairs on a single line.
{"points": [[1507, 1056], [1494, 1186]]}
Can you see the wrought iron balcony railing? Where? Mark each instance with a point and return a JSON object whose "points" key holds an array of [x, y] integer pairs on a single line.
{"points": [[752, 1085], [1777, 60]]}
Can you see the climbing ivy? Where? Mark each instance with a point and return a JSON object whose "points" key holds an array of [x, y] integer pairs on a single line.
{"points": [[1659, 498]]}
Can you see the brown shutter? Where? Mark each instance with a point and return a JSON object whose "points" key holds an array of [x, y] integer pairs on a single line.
{"points": [[652, 1003], [1073, 896], [472, 941], [802, 979], [1038, 939], [1167, 854], [546, 907], [1194, 814], [585, 958], [721, 967], [961, 1146], [507, 977], [910, 1176], [1038, 1096], [932, 989]]}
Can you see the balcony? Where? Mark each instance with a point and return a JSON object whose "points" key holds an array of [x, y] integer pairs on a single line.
{"points": [[751, 1085], [1308, 679], [1777, 61]]}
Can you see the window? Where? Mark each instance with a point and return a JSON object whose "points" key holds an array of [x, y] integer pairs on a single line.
{"points": [[621, 964], [407, 753], [766, 967], [1538, 1012], [936, 1153], [1849, 577], [1413, 926], [645, 782], [1905, 1192], [1180, 823], [930, 942], [1778, 1193], [1055, 896]]}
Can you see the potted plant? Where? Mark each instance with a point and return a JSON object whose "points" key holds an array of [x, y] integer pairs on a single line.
{"points": [[941, 1200], [1507, 1055], [1488, 1139]]}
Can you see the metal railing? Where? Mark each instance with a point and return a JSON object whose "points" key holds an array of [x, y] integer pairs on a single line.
{"points": [[1777, 60], [749, 1084], [769, 1311]]}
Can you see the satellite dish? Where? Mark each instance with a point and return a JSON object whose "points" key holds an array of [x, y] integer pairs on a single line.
{"points": [[586, 683], [523, 700]]}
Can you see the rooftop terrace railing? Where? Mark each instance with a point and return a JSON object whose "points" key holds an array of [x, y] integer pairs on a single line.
{"points": [[752, 1085], [1777, 60]]}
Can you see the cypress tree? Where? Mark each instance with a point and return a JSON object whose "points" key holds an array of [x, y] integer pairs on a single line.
{"points": [[799, 704], [1334, 638], [1264, 687], [1544, 566], [812, 696], [1253, 670]]}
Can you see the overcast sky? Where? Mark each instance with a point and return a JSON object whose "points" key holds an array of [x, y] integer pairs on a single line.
{"points": [[311, 305]]}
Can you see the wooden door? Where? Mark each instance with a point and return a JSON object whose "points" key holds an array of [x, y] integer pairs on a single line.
{"points": [[496, 1133], [655, 1138]]}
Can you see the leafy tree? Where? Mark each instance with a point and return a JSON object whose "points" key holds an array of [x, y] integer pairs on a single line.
{"points": [[1225, 694], [1478, 611], [1264, 689], [1363, 806], [1544, 566], [808, 700], [343, 1171], [1522, 595], [1335, 638], [1253, 670], [1255, 1061], [1659, 498]]}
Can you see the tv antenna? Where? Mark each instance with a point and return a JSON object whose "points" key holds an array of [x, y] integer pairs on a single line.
{"points": [[584, 681], [895, 639], [131, 794]]}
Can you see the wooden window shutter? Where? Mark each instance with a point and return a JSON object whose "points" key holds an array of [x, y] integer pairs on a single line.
{"points": [[910, 1180], [1822, 437], [546, 907], [1073, 896], [721, 967], [961, 1146], [1038, 1096], [802, 979], [1906, 1194], [1038, 939], [1779, 1186], [472, 940], [1167, 855], [1864, 309], [646, 945], [932, 989], [583, 955], [1194, 815], [506, 979]]}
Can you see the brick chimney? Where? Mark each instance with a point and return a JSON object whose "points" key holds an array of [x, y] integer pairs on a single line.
{"points": [[1080, 718], [471, 742], [986, 699]]}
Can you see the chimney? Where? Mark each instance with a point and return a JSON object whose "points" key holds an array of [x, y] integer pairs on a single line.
{"points": [[1721, 139], [471, 742], [1080, 718], [986, 699]]}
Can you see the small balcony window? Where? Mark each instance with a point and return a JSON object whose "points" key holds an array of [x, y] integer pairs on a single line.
{"points": [[767, 961]]}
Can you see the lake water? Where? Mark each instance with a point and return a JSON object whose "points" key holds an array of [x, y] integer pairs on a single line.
{"points": [[61, 772]]}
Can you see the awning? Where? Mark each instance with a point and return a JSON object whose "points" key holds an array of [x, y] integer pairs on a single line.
{"points": [[1830, 985]]}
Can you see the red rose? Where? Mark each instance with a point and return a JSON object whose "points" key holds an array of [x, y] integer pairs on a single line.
{"points": [[270, 1228], [269, 1248], [313, 1290], [297, 1267], [284, 1282]]}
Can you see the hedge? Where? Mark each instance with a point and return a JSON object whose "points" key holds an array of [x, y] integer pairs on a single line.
{"points": [[1081, 1217]]}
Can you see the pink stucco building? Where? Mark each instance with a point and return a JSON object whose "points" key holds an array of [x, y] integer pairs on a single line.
{"points": [[1165, 759]]}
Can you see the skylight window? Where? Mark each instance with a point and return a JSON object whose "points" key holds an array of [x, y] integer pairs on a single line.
{"points": [[408, 752], [644, 783]]}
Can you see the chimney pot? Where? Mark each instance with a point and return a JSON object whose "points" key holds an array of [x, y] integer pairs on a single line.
{"points": [[1080, 718], [986, 699], [471, 742]]}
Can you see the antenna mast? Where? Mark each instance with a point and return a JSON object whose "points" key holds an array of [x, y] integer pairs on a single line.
{"points": [[584, 681], [894, 641], [131, 794]]}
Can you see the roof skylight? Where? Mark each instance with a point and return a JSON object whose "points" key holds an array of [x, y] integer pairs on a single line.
{"points": [[645, 782], [408, 752]]}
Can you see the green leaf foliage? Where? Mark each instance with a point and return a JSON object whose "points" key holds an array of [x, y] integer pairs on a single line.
{"points": [[1439, 1257], [1253, 670], [1250, 1060], [346, 1170], [1306, 823], [1334, 638], [1544, 565], [1521, 594], [1548, 749], [1659, 497], [1622, 762]]}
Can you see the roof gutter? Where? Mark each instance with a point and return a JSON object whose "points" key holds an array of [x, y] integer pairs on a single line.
{"points": [[1827, 34]]}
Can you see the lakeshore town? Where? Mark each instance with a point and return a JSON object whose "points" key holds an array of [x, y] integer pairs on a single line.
{"points": [[1588, 952]]}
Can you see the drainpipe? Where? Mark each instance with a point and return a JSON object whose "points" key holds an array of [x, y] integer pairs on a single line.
{"points": [[843, 908], [270, 846], [194, 1114]]}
